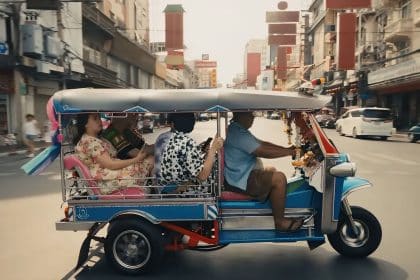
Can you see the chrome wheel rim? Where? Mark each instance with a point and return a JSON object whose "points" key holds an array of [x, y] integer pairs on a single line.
{"points": [[131, 249], [350, 239]]}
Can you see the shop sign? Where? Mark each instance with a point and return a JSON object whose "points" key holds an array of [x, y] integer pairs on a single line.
{"points": [[364, 95], [22, 89], [4, 49]]}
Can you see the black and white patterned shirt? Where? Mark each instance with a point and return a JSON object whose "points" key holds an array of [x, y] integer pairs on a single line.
{"points": [[182, 160]]}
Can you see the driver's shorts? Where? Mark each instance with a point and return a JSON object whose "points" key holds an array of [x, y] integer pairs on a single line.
{"points": [[259, 184]]}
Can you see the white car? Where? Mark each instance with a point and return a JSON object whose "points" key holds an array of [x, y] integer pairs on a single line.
{"points": [[369, 122]]}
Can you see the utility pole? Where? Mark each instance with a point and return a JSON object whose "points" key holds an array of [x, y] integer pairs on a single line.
{"points": [[60, 27]]}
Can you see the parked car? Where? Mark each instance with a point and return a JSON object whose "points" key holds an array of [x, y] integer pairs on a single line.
{"points": [[275, 116], [326, 120], [368, 122], [203, 117], [414, 133]]}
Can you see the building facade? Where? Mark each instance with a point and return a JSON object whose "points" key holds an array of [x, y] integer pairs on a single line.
{"points": [[394, 81], [256, 58], [74, 45]]}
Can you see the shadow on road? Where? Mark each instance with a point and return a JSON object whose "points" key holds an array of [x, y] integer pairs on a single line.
{"points": [[263, 261], [18, 184]]}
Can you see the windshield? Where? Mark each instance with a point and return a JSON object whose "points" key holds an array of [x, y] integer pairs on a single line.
{"points": [[377, 114]]}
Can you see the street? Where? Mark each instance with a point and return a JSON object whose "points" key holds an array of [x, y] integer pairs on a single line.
{"points": [[31, 248]]}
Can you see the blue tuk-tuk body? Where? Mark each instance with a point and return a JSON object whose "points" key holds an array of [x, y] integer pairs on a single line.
{"points": [[142, 228]]}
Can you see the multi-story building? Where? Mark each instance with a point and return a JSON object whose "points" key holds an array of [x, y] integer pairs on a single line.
{"points": [[256, 58], [41, 50], [115, 53], [394, 79], [71, 45]]}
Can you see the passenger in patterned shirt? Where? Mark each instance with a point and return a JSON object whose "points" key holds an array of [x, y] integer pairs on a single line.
{"points": [[182, 160]]}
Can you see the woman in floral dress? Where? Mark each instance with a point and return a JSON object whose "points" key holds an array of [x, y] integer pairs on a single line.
{"points": [[99, 156]]}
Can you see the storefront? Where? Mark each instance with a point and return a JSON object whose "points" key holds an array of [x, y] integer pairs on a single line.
{"points": [[398, 87], [6, 90]]}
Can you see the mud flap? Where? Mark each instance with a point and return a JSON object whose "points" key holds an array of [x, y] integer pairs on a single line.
{"points": [[84, 249], [315, 244]]}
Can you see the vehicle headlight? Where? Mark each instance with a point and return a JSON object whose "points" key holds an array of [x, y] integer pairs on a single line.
{"points": [[345, 169]]}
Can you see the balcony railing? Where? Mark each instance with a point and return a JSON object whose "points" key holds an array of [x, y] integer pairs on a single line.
{"points": [[96, 17], [398, 30], [410, 65], [101, 76]]}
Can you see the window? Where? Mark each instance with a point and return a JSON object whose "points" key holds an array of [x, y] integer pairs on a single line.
{"points": [[377, 114], [405, 6], [356, 114]]}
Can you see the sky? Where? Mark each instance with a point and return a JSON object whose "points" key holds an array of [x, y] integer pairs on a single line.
{"points": [[220, 28]]}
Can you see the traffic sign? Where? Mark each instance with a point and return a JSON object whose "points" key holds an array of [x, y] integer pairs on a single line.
{"points": [[4, 48]]}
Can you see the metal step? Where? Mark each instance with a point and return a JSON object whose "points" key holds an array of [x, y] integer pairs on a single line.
{"points": [[251, 236]]}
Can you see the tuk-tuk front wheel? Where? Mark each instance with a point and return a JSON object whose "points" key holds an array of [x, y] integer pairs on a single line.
{"points": [[134, 246], [359, 245]]}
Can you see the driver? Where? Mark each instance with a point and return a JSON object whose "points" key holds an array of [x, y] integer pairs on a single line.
{"points": [[243, 173]]}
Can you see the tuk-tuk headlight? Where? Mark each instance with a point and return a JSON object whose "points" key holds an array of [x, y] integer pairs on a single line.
{"points": [[345, 169]]}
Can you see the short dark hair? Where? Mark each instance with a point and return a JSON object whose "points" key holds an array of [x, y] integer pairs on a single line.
{"points": [[183, 122], [29, 116]]}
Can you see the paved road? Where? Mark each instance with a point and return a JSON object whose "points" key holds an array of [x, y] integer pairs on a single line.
{"points": [[32, 249]]}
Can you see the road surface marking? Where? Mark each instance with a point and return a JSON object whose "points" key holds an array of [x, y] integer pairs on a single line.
{"points": [[369, 158], [7, 173], [395, 159]]}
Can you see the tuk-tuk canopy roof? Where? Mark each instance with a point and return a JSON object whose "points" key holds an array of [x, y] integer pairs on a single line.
{"points": [[182, 100]]}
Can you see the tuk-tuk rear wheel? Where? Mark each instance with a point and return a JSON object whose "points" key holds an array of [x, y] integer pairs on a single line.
{"points": [[345, 242], [134, 246]]}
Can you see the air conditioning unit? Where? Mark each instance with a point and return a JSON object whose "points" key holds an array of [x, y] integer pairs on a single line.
{"points": [[32, 43], [52, 46], [330, 28]]}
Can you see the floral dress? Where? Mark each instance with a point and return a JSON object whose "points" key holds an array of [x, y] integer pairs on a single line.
{"points": [[89, 148]]}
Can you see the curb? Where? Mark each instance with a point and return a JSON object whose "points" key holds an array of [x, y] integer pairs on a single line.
{"points": [[398, 135]]}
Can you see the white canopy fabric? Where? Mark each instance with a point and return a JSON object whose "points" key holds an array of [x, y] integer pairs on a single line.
{"points": [[182, 100]]}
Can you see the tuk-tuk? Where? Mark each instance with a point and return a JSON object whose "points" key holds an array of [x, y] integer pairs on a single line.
{"points": [[141, 227]]}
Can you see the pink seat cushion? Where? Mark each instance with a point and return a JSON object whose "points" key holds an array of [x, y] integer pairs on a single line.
{"points": [[73, 162], [226, 195]]}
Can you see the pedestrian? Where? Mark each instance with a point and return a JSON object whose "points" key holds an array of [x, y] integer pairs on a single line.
{"points": [[31, 130]]}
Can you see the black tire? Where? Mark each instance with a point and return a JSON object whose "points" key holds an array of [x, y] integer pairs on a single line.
{"points": [[384, 138], [351, 246], [134, 246]]}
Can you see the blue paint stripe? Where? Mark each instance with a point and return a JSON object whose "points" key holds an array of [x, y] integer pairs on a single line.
{"points": [[250, 236], [159, 212]]}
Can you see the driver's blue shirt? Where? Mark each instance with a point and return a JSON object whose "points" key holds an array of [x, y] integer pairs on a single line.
{"points": [[239, 160]]}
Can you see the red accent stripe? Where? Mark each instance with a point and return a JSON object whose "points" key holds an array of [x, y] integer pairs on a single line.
{"points": [[194, 237], [323, 140]]}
